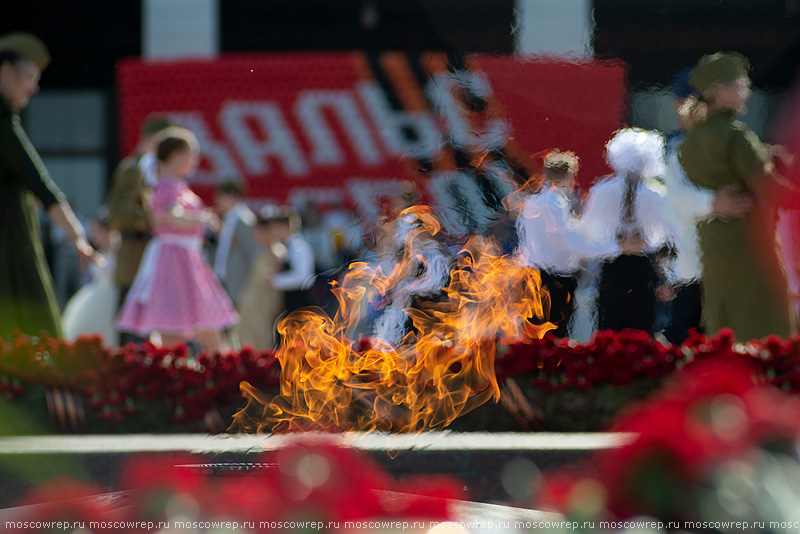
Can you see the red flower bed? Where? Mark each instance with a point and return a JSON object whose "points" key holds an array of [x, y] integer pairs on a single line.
{"points": [[620, 358], [112, 379], [610, 357]]}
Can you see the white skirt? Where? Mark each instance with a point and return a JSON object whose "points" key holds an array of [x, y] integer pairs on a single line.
{"points": [[92, 311]]}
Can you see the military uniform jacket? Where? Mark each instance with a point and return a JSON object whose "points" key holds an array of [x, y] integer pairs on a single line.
{"points": [[27, 296], [744, 281], [128, 213]]}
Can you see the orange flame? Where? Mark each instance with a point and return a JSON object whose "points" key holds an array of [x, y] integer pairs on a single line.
{"points": [[442, 370]]}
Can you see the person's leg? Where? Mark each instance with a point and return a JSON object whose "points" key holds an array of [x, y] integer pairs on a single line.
{"points": [[584, 318], [570, 284], [549, 295], [610, 298], [695, 306], [627, 294], [127, 337], [170, 340], [676, 329], [640, 293], [212, 341], [560, 290], [687, 309]]}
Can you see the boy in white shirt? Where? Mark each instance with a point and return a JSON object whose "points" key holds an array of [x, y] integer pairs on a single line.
{"points": [[549, 239]]}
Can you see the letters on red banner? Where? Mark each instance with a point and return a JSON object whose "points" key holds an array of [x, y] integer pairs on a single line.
{"points": [[290, 123]]}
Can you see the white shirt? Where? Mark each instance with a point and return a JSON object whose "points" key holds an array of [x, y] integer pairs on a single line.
{"points": [[301, 266], [239, 211], [602, 215], [148, 165], [687, 204], [550, 239]]}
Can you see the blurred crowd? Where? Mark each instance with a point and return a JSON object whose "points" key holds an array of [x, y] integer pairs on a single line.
{"points": [[180, 271], [222, 276], [681, 235]]}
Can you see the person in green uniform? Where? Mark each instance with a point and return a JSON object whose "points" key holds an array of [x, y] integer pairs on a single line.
{"points": [[127, 208], [745, 286], [27, 298]]}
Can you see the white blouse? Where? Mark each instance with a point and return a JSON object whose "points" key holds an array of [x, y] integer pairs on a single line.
{"points": [[549, 237], [602, 216]]}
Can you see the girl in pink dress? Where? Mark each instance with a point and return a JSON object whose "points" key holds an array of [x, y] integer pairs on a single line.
{"points": [[175, 291]]}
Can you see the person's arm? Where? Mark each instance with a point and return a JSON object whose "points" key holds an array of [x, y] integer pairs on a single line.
{"points": [[28, 170], [63, 216], [598, 215], [577, 244], [177, 216], [749, 157], [753, 161], [301, 259], [576, 241], [687, 202]]}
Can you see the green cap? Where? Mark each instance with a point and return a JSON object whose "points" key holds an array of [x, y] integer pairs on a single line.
{"points": [[154, 124], [26, 45], [722, 67]]}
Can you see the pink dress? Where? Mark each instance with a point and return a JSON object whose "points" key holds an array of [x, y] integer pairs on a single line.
{"points": [[175, 291]]}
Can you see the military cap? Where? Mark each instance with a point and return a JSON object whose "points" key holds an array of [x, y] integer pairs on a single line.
{"points": [[722, 67], [26, 45], [153, 124]]}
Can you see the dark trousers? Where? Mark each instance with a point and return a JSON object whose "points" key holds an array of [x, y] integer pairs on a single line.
{"points": [[561, 294], [686, 312], [627, 296]]}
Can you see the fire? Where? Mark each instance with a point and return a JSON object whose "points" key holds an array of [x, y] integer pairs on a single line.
{"points": [[443, 369]]}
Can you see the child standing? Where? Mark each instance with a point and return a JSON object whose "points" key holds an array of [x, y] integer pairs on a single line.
{"points": [[550, 241], [628, 206], [175, 291]]}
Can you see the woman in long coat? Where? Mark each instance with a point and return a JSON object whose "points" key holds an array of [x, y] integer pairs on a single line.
{"points": [[744, 280], [27, 298]]}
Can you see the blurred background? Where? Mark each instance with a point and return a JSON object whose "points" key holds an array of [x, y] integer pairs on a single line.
{"points": [[324, 105], [75, 125]]}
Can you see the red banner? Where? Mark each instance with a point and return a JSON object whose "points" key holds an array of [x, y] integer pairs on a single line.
{"points": [[289, 122]]}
